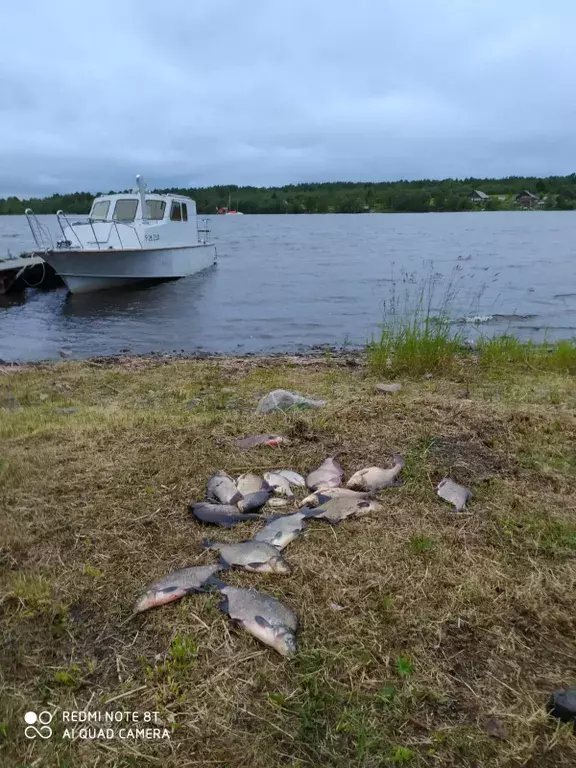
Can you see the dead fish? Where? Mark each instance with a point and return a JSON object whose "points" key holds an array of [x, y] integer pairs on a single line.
{"points": [[276, 502], [375, 478], [270, 440], [387, 388], [250, 483], [254, 502], [251, 555], [284, 529], [453, 493], [336, 510], [261, 615], [174, 586], [225, 515], [318, 497], [328, 475], [293, 477], [278, 483], [221, 487]]}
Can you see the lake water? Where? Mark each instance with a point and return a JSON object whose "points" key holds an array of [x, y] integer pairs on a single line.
{"points": [[286, 283]]}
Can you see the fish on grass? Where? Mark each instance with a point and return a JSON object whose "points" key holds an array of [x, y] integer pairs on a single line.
{"points": [[373, 479], [250, 555], [253, 502], [284, 529], [272, 441], [322, 495], [174, 586], [250, 483], [225, 515], [279, 484], [328, 475], [453, 493], [336, 510], [221, 487], [293, 478], [261, 615]]}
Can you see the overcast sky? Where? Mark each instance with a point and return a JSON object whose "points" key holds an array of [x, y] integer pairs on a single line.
{"points": [[198, 92]]}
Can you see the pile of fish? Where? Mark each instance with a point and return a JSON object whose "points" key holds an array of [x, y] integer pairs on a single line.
{"points": [[229, 502]]}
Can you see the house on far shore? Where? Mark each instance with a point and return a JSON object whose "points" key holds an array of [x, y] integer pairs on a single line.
{"points": [[527, 199], [477, 196]]}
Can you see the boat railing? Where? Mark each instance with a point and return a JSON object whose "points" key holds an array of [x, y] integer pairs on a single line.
{"points": [[88, 221], [203, 231], [40, 232]]}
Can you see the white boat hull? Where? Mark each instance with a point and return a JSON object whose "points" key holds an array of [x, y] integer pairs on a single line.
{"points": [[84, 271]]}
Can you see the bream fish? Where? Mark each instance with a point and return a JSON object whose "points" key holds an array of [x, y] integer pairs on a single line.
{"points": [[328, 475], [279, 484], [253, 502], [373, 479], [453, 493], [221, 487], [282, 530], [225, 515], [174, 586], [251, 555], [261, 615], [250, 483]]}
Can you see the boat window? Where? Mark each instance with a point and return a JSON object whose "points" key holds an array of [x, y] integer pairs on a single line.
{"points": [[176, 212], [125, 210], [100, 210], [184, 212], [155, 209]]}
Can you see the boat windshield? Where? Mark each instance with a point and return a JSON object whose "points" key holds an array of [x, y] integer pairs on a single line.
{"points": [[155, 209], [125, 210], [100, 210]]}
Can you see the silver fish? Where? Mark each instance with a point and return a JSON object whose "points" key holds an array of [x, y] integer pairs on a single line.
{"points": [[278, 483], [455, 494], [225, 515], [316, 498], [262, 616], [373, 479], [250, 483], [336, 510], [251, 555], [284, 529], [254, 502], [174, 586], [328, 475], [221, 487], [276, 502], [293, 477]]}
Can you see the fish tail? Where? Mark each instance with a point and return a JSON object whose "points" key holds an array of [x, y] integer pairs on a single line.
{"points": [[207, 544], [213, 582]]}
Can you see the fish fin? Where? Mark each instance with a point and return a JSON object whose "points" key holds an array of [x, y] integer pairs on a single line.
{"points": [[394, 484], [307, 512], [223, 605], [254, 565], [262, 621], [167, 590], [215, 583]]}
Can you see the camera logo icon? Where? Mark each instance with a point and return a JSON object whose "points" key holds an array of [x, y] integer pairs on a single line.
{"points": [[43, 730]]}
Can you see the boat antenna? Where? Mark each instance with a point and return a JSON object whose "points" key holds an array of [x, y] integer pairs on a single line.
{"points": [[142, 190]]}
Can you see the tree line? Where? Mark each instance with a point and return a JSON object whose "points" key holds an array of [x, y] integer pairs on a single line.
{"points": [[557, 192]]}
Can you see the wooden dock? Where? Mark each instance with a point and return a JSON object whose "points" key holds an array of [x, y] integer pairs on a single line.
{"points": [[26, 271]]}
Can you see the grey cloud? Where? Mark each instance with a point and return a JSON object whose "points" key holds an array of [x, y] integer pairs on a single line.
{"points": [[264, 93]]}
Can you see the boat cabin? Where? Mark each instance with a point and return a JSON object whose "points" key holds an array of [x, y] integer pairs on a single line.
{"points": [[128, 208]]}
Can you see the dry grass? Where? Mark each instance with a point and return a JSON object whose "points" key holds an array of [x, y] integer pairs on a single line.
{"points": [[446, 623]]}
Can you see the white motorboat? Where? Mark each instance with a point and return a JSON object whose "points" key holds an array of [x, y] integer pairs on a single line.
{"points": [[127, 239]]}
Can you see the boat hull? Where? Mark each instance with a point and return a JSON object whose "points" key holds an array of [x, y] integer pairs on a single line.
{"points": [[84, 271]]}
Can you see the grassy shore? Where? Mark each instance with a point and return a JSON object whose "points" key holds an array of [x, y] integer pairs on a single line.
{"points": [[428, 638]]}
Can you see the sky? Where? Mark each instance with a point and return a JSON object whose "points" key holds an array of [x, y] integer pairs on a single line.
{"points": [[261, 92]]}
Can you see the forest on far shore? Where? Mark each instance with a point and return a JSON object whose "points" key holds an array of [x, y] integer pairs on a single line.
{"points": [[552, 192]]}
